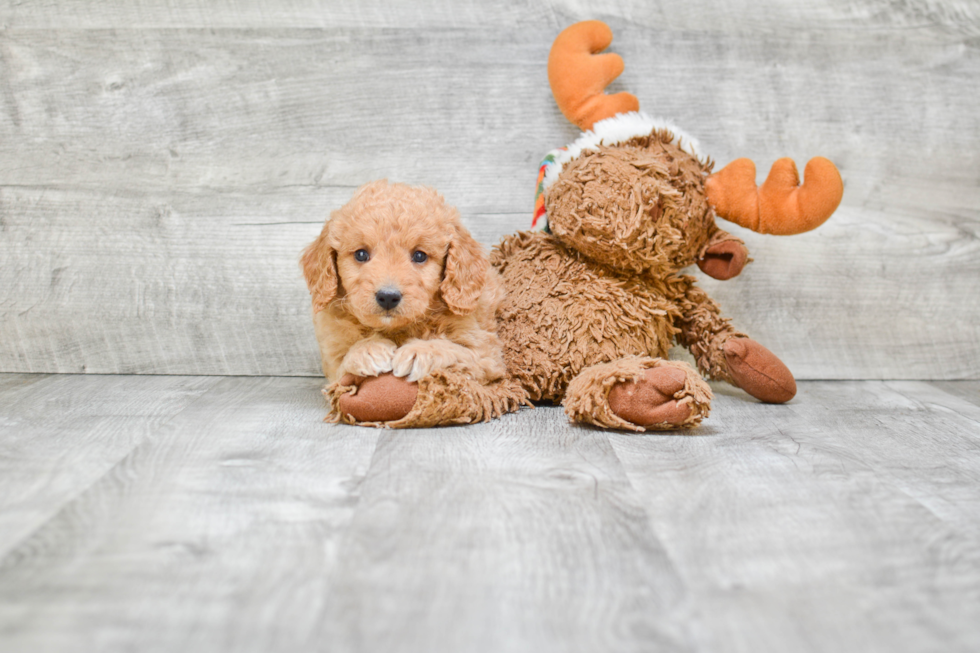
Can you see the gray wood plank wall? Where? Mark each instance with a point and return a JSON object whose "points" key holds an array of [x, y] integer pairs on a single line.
{"points": [[165, 162]]}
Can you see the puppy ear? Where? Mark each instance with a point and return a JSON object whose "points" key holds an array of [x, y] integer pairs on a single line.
{"points": [[320, 269], [464, 274]]}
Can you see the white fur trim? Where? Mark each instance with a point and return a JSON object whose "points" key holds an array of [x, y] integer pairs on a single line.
{"points": [[619, 128]]}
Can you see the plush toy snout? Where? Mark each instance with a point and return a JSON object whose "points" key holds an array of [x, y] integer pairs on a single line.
{"points": [[724, 260]]}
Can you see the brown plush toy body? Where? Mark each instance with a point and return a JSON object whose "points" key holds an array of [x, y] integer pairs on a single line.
{"points": [[593, 303]]}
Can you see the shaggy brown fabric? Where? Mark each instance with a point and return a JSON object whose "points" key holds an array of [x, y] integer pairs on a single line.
{"points": [[452, 397], [563, 313], [593, 305], [637, 206], [624, 394], [444, 397], [704, 332]]}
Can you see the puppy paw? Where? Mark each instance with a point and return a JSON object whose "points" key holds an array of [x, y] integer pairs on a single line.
{"points": [[370, 357], [416, 359]]}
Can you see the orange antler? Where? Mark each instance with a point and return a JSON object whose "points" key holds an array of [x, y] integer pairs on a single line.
{"points": [[578, 76], [781, 206]]}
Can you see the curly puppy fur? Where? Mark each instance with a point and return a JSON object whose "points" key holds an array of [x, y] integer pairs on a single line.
{"points": [[601, 298], [445, 320]]}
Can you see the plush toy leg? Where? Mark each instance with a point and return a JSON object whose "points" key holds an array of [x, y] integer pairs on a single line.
{"points": [[444, 397], [372, 399], [758, 371], [725, 354], [639, 394]]}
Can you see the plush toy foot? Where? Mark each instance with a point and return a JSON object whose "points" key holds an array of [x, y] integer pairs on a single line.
{"points": [[756, 370], [384, 398], [651, 400]]}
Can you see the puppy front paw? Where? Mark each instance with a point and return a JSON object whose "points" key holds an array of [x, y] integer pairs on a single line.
{"points": [[371, 357], [417, 359]]}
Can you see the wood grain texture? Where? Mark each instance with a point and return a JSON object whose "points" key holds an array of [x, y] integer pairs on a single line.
{"points": [[969, 392], [235, 520], [213, 534], [165, 165], [859, 501], [61, 434], [519, 535], [958, 16]]}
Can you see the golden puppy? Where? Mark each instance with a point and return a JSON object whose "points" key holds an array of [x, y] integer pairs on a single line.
{"points": [[400, 286]]}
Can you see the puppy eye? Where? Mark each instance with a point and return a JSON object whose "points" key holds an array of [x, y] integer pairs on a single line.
{"points": [[418, 256], [361, 255]]}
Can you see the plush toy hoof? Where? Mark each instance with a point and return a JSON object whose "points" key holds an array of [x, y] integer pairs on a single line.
{"points": [[650, 400], [384, 398], [756, 370]]}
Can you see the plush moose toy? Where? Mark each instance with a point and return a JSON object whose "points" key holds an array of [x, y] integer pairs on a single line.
{"points": [[595, 300], [595, 297]]}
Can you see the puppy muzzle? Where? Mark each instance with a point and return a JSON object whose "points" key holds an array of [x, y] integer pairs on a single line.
{"points": [[388, 298]]}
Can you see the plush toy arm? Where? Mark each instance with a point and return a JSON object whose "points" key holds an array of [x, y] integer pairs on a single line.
{"points": [[704, 333], [725, 354], [447, 396]]}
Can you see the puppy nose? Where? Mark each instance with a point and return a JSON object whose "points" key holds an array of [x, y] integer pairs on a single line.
{"points": [[387, 298]]}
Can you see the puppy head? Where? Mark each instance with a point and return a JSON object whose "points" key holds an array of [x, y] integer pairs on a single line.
{"points": [[635, 206], [393, 255]]}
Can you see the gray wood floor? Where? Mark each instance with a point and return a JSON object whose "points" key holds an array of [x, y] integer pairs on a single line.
{"points": [[163, 513]]}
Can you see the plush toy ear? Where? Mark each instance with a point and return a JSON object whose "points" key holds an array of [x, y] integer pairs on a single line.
{"points": [[320, 269], [464, 274], [723, 257]]}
